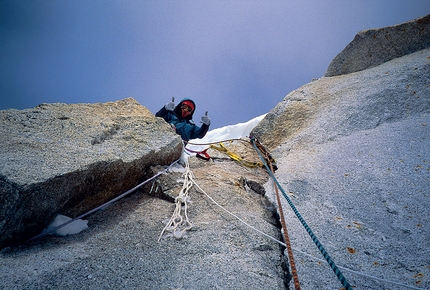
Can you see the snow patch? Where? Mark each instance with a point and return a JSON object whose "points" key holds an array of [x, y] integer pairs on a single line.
{"points": [[237, 131], [73, 228]]}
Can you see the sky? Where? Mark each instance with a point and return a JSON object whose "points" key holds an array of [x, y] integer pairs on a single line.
{"points": [[235, 59]]}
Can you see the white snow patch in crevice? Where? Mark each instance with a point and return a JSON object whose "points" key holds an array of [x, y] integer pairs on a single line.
{"points": [[73, 228]]}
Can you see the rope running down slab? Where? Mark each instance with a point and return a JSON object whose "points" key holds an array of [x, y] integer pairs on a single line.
{"points": [[270, 161], [325, 254], [287, 239]]}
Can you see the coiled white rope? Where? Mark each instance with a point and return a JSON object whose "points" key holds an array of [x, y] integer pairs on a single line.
{"points": [[179, 223]]}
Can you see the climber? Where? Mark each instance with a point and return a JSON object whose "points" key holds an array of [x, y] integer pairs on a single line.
{"points": [[180, 118]]}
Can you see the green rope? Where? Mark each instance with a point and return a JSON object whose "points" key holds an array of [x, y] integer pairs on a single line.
{"points": [[335, 269]]}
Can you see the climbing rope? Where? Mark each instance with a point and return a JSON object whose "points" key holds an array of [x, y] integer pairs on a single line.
{"points": [[200, 154], [329, 260], [286, 238], [179, 223], [359, 273], [268, 157], [204, 155], [184, 221]]}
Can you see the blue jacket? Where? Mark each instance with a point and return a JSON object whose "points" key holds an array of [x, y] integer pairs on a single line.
{"points": [[184, 127]]}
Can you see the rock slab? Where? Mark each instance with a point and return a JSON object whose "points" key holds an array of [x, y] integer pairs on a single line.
{"points": [[68, 159], [353, 157]]}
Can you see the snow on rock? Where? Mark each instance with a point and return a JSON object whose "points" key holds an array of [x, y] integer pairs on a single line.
{"points": [[237, 131], [72, 228]]}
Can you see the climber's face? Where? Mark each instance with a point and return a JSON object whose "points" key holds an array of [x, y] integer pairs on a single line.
{"points": [[186, 110]]}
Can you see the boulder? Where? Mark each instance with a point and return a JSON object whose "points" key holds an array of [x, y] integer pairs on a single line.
{"points": [[68, 159], [375, 46]]}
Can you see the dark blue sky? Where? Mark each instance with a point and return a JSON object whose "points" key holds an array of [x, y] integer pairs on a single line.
{"points": [[235, 59]]}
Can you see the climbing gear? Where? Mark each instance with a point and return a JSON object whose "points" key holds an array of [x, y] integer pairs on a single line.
{"points": [[253, 141], [203, 154], [266, 155], [179, 223], [236, 157], [200, 154], [280, 242], [53, 230], [329, 260]]}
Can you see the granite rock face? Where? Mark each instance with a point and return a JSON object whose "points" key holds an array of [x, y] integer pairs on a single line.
{"points": [[337, 106], [353, 156], [68, 159], [375, 46]]}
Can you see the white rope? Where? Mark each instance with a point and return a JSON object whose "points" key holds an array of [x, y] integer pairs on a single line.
{"points": [[297, 250], [179, 223]]}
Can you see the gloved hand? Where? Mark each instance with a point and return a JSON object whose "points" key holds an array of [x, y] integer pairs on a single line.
{"points": [[170, 106], [205, 119]]}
